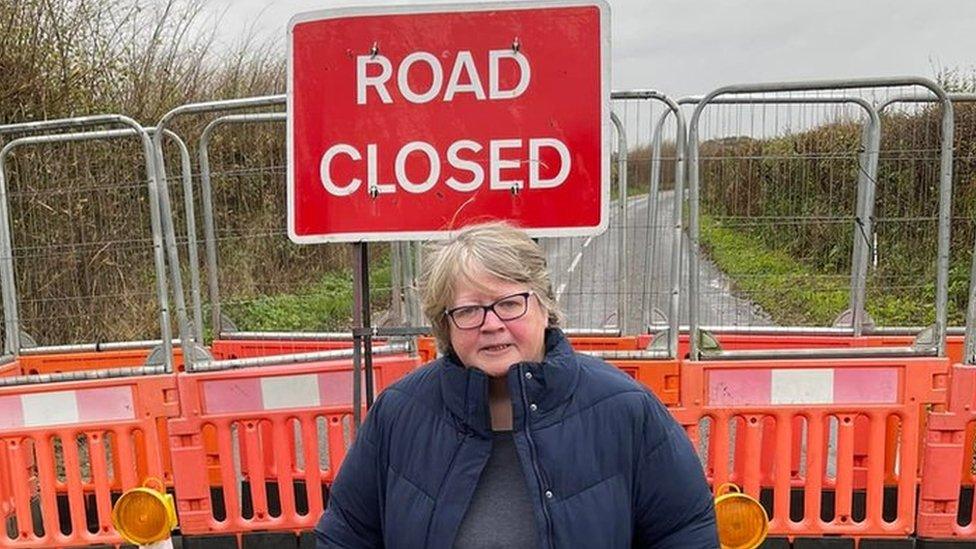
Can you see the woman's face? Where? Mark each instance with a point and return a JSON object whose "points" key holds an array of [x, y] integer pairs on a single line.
{"points": [[496, 345]]}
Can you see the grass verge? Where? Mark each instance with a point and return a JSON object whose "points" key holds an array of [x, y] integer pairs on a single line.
{"points": [[325, 305], [790, 292], [795, 294]]}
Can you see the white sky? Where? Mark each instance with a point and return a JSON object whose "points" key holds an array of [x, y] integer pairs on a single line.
{"points": [[685, 47]]}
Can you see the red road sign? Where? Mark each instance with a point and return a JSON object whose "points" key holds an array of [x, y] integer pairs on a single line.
{"points": [[409, 122]]}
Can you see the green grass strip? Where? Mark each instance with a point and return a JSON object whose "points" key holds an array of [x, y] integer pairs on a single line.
{"points": [[790, 292], [323, 306], [796, 294]]}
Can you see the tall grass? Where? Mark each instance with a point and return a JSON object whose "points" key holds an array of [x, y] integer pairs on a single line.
{"points": [[79, 212], [69, 57]]}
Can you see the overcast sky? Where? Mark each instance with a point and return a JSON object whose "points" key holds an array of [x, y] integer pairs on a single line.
{"points": [[686, 47]]}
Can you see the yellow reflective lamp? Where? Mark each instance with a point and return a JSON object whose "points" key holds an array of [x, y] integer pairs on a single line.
{"points": [[146, 514], [742, 521]]}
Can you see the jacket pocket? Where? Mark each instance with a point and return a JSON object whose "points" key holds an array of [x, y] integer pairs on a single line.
{"points": [[598, 516], [407, 513]]}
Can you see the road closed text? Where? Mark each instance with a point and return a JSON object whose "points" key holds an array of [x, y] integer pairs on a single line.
{"points": [[465, 165], [465, 156]]}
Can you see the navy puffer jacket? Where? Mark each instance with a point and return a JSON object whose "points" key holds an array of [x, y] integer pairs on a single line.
{"points": [[605, 463]]}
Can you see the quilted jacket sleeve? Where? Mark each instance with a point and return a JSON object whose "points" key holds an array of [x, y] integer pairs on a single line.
{"points": [[673, 505], [352, 517]]}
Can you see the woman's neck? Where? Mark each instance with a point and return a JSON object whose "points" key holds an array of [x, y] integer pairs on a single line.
{"points": [[500, 404]]}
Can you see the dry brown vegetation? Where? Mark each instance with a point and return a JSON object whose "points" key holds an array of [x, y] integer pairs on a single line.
{"points": [[79, 212]]}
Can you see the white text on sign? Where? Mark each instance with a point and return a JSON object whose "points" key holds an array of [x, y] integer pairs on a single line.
{"points": [[464, 77], [373, 81], [496, 164]]}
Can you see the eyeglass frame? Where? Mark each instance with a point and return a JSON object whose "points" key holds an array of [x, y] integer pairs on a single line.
{"points": [[449, 313]]}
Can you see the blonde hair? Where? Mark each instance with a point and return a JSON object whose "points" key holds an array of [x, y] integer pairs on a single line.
{"points": [[499, 249]]}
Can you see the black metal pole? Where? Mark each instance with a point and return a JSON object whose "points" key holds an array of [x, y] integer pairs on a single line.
{"points": [[357, 324], [367, 323]]}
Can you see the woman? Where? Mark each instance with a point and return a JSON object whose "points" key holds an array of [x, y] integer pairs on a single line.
{"points": [[511, 439]]}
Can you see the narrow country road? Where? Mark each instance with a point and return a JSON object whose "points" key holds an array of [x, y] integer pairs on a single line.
{"points": [[585, 275]]}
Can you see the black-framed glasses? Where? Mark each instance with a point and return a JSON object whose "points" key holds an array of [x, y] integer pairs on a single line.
{"points": [[510, 307]]}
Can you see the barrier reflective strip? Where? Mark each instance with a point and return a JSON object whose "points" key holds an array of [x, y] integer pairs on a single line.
{"points": [[277, 392], [66, 407], [11, 412], [41, 409], [744, 387]]}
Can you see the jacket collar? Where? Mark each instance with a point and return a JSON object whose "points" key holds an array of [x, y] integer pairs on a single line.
{"points": [[552, 383]]}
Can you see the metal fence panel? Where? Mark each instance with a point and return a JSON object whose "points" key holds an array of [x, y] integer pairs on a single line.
{"points": [[783, 204], [623, 279], [82, 229]]}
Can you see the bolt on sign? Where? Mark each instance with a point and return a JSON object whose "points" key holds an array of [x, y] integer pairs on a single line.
{"points": [[409, 122]]}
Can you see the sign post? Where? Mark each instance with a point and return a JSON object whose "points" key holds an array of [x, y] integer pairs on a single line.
{"points": [[362, 336], [410, 122]]}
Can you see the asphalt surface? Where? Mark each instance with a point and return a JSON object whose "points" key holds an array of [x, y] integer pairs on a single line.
{"points": [[591, 293]]}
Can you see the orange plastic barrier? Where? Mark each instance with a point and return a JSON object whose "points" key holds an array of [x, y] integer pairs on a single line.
{"points": [[228, 349], [95, 360], [954, 351], [68, 449], [281, 433], [6, 488], [946, 505], [662, 377], [954, 344], [607, 343], [787, 430], [955, 348], [768, 342], [10, 369], [736, 342], [426, 349], [730, 342]]}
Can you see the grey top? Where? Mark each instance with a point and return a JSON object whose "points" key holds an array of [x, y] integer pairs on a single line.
{"points": [[500, 514]]}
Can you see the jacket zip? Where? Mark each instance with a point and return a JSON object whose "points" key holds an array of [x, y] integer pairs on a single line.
{"points": [[533, 458]]}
